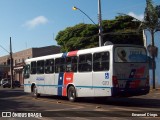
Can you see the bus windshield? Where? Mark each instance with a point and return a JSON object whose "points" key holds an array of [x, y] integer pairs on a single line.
{"points": [[130, 54]]}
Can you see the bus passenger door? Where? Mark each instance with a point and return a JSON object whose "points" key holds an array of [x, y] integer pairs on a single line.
{"points": [[26, 75]]}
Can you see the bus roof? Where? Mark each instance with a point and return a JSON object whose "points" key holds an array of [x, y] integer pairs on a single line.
{"points": [[78, 52]]}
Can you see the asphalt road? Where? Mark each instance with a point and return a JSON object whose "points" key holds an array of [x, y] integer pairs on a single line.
{"points": [[21, 104]]}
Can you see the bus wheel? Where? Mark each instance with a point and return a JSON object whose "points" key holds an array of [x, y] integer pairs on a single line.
{"points": [[35, 92], [71, 94]]}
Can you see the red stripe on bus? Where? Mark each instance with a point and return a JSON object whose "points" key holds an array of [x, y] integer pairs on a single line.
{"points": [[72, 53], [68, 78]]}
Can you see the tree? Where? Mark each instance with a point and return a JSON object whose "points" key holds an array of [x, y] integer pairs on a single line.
{"points": [[121, 30], [77, 37], [152, 24]]}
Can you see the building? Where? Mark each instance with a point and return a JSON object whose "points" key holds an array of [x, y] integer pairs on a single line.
{"points": [[4, 70], [20, 57]]}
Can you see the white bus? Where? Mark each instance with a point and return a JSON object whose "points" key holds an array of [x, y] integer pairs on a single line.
{"points": [[112, 70]]}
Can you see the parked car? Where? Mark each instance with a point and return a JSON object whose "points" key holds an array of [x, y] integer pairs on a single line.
{"points": [[4, 80], [14, 84]]}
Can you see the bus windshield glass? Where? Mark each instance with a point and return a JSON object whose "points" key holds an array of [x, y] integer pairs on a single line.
{"points": [[130, 54]]}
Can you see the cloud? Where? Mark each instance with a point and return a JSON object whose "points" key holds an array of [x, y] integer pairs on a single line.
{"points": [[139, 17], [36, 22]]}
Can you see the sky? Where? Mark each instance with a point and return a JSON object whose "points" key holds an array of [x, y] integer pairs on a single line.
{"points": [[35, 23]]}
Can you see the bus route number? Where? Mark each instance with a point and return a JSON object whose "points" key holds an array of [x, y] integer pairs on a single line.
{"points": [[105, 82]]}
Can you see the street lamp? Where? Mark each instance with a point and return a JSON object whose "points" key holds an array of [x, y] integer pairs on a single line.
{"points": [[76, 8], [99, 21]]}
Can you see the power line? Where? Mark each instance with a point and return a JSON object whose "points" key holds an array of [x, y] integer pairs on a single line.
{"points": [[4, 49]]}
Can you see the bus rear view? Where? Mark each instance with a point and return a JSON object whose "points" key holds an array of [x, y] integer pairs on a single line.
{"points": [[130, 71]]}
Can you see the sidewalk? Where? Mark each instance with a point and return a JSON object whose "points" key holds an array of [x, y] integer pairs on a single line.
{"points": [[156, 89]]}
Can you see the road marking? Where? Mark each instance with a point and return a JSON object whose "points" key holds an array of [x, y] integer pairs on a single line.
{"points": [[45, 118], [65, 109], [101, 109], [77, 118], [125, 109]]}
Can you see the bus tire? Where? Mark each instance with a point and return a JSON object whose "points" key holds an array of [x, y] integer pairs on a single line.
{"points": [[71, 93], [35, 92]]}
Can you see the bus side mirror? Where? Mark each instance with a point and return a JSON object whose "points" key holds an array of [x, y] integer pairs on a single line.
{"points": [[26, 76]]}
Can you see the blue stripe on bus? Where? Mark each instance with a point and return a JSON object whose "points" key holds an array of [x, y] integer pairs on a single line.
{"points": [[60, 83], [27, 84], [60, 86], [91, 87], [48, 85]]}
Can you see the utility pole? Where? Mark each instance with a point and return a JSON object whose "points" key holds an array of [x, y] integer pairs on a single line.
{"points": [[100, 24], [100, 34], [11, 64]]}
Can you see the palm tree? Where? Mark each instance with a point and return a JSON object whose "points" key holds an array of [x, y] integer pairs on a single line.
{"points": [[151, 23]]}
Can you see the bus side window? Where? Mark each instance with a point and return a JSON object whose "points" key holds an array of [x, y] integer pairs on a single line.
{"points": [[68, 64], [74, 63], [101, 61], [60, 65], [71, 64], [49, 66], [33, 67], [57, 70], [40, 67], [85, 63]]}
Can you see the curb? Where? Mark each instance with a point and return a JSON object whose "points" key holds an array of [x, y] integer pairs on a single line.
{"points": [[157, 89]]}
